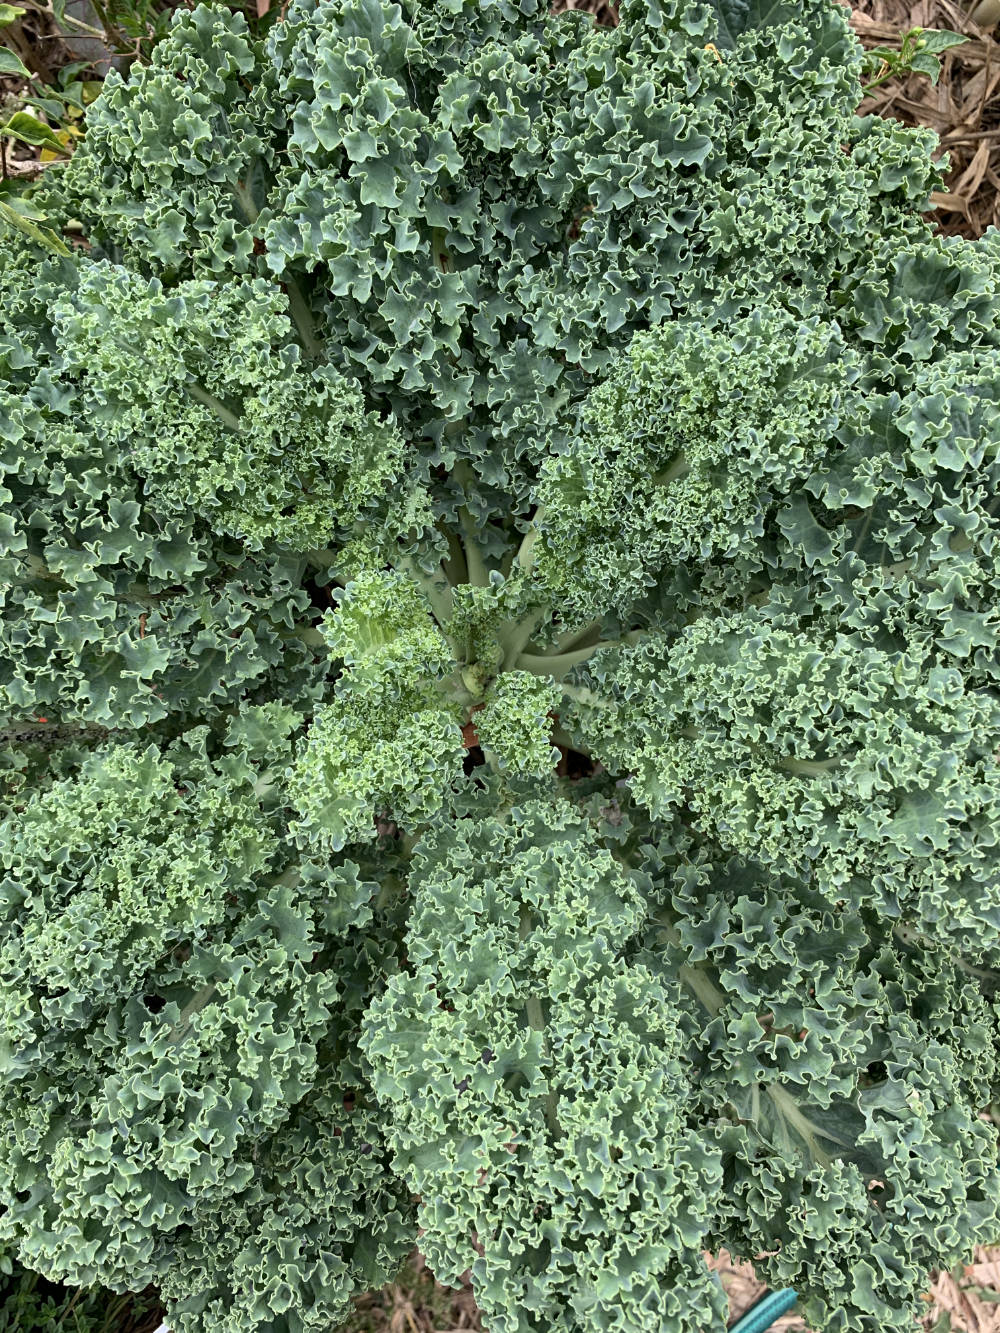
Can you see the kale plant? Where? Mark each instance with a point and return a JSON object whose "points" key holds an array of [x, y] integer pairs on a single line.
{"points": [[398, 414]]}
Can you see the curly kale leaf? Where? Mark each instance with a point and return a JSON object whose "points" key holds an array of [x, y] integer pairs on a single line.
{"points": [[117, 613], [198, 388], [875, 775], [536, 1084], [685, 448], [840, 1069], [168, 989]]}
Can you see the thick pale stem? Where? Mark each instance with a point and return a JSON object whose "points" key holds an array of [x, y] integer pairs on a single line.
{"points": [[575, 638], [533, 1013], [479, 575], [435, 588], [298, 308], [678, 468], [698, 982], [514, 640], [810, 768], [556, 667], [245, 200], [787, 1107], [226, 415], [455, 566], [197, 1003], [559, 665], [525, 558], [708, 995], [325, 557], [230, 419]]}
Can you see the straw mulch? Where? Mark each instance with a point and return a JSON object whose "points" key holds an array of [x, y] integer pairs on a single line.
{"points": [[964, 107], [969, 1300], [415, 1303]]}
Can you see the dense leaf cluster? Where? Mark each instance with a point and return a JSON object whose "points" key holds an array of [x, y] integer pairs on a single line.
{"points": [[435, 391]]}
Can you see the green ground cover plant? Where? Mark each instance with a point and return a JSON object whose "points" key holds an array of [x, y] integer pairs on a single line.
{"points": [[394, 409], [31, 1304]]}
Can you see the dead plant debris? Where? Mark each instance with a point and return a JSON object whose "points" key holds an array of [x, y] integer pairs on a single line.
{"points": [[962, 1302], [964, 107]]}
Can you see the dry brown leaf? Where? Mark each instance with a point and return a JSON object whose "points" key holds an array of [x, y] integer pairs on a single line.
{"points": [[952, 203], [964, 108], [972, 177]]}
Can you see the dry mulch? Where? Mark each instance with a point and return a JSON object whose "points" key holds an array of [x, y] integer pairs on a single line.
{"points": [[964, 107], [969, 1300], [415, 1303]]}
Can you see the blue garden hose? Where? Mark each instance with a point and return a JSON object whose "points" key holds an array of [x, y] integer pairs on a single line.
{"points": [[762, 1315]]}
